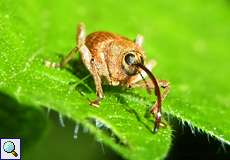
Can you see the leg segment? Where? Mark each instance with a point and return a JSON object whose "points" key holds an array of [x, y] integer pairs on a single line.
{"points": [[139, 40], [166, 87], [80, 39], [81, 35], [87, 59], [64, 61], [69, 57], [89, 63], [97, 81], [156, 110], [162, 83]]}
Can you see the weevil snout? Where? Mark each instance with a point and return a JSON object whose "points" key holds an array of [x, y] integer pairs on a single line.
{"points": [[156, 109], [132, 63]]}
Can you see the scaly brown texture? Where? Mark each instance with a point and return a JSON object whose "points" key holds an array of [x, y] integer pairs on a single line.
{"points": [[108, 50]]}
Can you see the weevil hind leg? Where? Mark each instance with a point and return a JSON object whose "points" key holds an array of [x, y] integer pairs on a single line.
{"points": [[88, 60], [81, 34]]}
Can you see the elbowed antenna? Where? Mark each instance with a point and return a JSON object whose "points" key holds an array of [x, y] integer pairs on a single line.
{"points": [[157, 93]]}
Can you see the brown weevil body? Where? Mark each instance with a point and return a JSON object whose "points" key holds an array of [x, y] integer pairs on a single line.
{"points": [[116, 60]]}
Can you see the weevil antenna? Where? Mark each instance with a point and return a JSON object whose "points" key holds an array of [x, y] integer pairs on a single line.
{"points": [[157, 93]]}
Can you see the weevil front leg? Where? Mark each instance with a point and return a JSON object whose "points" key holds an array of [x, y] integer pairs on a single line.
{"points": [[88, 60], [139, 81], [97, 81], [156, 108]]}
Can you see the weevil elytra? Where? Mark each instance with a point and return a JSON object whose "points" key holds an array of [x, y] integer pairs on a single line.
{"points": [[116, 60]]}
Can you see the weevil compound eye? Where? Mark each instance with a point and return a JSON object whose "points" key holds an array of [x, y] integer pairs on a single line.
{"points": [[129, 61], [130, 58]]}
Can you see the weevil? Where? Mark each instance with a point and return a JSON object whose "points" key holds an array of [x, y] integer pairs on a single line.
{"points": [[116, 60]]}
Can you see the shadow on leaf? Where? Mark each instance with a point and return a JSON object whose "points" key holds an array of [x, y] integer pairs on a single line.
{"points": [[20, 121]]}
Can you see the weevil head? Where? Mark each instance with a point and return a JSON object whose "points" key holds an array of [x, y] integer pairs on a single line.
{"points": [[123, 54], [129, 60]]}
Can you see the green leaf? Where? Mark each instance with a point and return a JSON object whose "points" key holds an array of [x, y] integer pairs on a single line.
{"points": [[190, 41]]}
